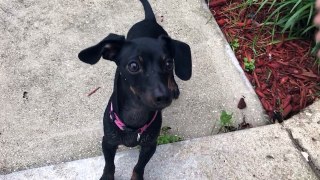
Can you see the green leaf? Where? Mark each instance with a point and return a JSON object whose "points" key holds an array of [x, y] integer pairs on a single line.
{"points": [[165, 137], [249, 65], [225, 118], [293, 19]]}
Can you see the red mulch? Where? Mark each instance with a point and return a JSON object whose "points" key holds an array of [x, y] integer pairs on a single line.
{"points": [[285, 78]]}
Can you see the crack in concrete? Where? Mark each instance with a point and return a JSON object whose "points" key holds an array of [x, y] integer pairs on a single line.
{"points": [[309, 160]]}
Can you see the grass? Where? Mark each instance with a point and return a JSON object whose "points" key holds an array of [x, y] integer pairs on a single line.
{"points": [[293, 19], [290, 16], [165, 137], [317, 63]]}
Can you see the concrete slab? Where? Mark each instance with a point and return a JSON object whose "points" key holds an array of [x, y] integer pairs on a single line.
{"points": [[260, 153], [46, 116], [305, 131]]}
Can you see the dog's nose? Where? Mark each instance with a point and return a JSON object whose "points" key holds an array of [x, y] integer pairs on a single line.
{"points": [[161, 96], [161, 99]]}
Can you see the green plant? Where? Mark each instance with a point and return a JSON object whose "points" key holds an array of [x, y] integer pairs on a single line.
{"points": [[165, 137], [314, 51], [291, 16], [249, 65], [317, 63], [226, 119], [226, 122], [235, 44]]}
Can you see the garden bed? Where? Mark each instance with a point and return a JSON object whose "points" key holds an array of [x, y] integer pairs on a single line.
{"points": [[284, 75]]}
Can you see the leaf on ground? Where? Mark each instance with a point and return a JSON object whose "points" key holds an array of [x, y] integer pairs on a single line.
{"points": [[242, 104]]}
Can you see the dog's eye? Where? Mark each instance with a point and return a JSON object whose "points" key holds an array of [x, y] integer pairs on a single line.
{"points": [[133, 67], [169, 64]]}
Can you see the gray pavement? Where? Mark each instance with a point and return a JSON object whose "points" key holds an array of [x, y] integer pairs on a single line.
{"points": [[46, 116], [304, 128], [287, 151]]}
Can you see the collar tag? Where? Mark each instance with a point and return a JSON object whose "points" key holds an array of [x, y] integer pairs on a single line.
{"points": [[138, 137]]}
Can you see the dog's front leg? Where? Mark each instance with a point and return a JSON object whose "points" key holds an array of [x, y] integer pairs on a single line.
{"points": [[109, 152], [145, 155]]}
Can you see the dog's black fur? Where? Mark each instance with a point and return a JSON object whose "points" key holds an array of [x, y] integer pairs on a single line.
{"points": [[144, 83]]}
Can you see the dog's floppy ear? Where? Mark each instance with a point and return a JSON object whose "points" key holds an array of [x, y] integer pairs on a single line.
{"points": [[108, 48], [182, 57]]}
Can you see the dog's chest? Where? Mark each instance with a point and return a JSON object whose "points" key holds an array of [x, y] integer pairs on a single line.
{"points": [[130, 139], [135, 117]]}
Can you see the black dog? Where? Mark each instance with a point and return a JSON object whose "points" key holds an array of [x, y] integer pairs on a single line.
{"points": [[144, 85]]}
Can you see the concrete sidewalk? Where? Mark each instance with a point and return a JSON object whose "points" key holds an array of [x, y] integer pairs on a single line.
{"points": [[46, 116], [288, 151]]}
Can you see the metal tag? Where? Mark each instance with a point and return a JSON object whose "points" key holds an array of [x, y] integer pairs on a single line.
{"points": [[138, 137]]}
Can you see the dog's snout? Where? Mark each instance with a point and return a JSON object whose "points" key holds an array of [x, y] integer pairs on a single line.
{"points": [[161, 96]]}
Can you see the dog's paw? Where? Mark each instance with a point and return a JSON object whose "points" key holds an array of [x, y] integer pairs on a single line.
{"points": [[107, 177], [136, 176]]}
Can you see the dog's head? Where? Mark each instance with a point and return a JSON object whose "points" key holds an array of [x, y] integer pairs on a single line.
{"points": [[145, 64]]}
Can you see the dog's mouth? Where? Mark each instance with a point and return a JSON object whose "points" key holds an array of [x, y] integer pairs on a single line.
{"points": [[151, 101], [160, 106], [155, 104]]}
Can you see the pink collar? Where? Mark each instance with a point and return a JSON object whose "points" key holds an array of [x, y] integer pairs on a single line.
{"points": [[114, 117]]}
